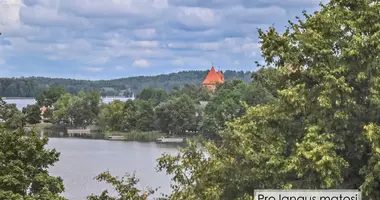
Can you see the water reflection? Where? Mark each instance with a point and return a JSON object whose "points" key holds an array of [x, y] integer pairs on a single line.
{"points": [[81, 160]]}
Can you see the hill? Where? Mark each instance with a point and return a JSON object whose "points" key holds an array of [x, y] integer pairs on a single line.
{"points": [[31, 86]]}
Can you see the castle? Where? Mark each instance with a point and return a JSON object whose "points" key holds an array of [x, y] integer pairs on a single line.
{"points": [[212, 79]]}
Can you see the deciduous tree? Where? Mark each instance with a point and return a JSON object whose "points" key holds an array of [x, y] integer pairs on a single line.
{"points": [[144, 116], [125, 187], [49, 97], [323, 129], [32, 113], [12, 118], [177, 115], [129, 115], [111, 116], [23, 167]]}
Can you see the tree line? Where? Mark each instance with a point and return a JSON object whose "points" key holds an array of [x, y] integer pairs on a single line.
{"points": [[32, 86], [320, 130], [189, 109]]}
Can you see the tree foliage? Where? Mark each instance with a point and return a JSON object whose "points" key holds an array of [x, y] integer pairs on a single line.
{"points": [[177, 115], [129, 115], [111, 116], [33, 86], [194, 91], [144, 116], [156, 96], [77, 111], [32, 114], [49, 97], [23, 167], [322, 130], [125, 187], [11, 117], [230, 101]]}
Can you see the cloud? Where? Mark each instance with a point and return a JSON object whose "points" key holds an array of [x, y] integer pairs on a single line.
{"points": [[119, 68], [99, 60], [5, 42], [196, 18], [94, 69], [2, 61], [245, 3], [147, 33], [178, 62], [141, 63], [54, 36]]}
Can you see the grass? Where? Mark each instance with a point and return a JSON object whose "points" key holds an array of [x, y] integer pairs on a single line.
{"points": [[137, 135], [39, 126]]}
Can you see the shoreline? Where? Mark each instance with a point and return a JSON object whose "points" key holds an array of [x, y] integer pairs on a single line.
{"points": [[60, 131]]}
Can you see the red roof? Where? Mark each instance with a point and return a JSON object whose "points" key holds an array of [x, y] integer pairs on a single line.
{"points": [[43, 108], [213, 77]]}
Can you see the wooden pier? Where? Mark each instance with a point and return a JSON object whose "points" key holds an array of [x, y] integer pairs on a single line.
{"points": [[79, 132]]}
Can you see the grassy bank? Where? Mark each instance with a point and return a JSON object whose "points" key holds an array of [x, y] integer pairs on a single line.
{"points": [[128, 136], [137, 135], [40, 126]]}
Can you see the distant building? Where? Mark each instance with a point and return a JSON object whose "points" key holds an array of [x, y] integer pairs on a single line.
{"points": [[43, 110], [213, 77]]}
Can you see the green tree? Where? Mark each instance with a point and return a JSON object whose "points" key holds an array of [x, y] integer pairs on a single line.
{"points": [[268, 80], [227, 103], [61, 108], [32, 114], [33, 86], [48, 114], [194, 91], [144, 116], [92, 101], [177, 115], [11, 116], [23, 167], [77, 111], [209, 127], [111, 116], [125, 187], [49, 97], [129, 116], [322, 131], [154, 95]]}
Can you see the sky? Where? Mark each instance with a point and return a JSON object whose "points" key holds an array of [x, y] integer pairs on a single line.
{"points": [[106, 39]]}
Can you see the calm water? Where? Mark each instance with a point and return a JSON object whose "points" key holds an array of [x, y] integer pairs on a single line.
{"points": [[23, 102], [82, 159], [20, 103]]}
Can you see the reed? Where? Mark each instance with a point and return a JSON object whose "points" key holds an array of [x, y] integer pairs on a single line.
{"points": [[138, 135]]}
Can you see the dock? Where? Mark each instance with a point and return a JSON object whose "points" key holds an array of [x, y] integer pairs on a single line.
{"points": [[80, 132]]}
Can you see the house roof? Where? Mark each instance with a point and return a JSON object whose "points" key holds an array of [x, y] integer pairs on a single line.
{"points": [[213, 77], [43, 108]]}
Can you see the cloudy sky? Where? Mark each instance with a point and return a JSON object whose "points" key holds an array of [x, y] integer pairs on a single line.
{"points": [[104, 39]]}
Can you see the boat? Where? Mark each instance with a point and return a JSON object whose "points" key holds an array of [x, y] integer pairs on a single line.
{"points": [[170, 140]]}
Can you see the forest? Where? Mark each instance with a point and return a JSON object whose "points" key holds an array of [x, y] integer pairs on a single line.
{"points": [[189, 109], [319, 130], [32, 86]]}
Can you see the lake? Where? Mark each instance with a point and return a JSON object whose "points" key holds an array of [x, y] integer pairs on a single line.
{"points": [[23, 102], [82, 159]]}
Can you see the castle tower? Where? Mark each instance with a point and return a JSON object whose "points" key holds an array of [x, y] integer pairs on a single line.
{"points": [[213, 77]]}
